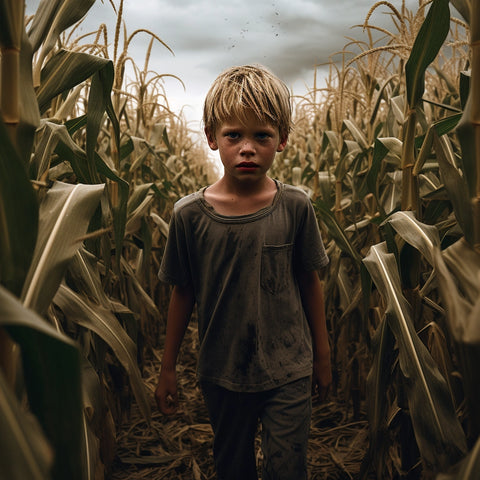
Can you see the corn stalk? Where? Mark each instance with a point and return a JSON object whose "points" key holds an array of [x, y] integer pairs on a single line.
{"points": [[428, 42], [11, 26], [475, 109]]}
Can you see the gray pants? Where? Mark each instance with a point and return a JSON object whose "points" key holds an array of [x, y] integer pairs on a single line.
{"points": [[284, 414]]}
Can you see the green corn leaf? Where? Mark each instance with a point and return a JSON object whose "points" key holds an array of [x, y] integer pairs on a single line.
{"points": [[330, 138], [423, 237], [51, 366], [427, 44], [138, 290], [18, 217], [378, 380], [357, 133], [99, 102], [25, 451], [52, 18], [64, 71], [49, 135], [65, 214], [466, 136], [120, 210], [104, 323], [138, 196], [463, 8], [379, 153], [468, 468], [336, 230], [456, 185], [457, 270], [438, 432], [458, 267]]}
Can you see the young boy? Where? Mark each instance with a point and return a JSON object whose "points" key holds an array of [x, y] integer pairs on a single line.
{"points": [[246, 250]]}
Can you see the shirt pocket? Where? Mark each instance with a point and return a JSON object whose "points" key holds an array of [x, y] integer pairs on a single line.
{"points": [[276, 269]]}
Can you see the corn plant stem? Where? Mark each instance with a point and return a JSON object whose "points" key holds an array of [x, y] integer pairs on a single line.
{"points": [[9, 93], [8, 357], [475, 102], [409, 191]]}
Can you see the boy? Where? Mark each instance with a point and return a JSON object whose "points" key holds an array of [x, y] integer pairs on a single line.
{"points": [[246, 250]]}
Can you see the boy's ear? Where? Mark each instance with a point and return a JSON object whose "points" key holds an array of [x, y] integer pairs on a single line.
{"points": [[282, 144], [212, 141]]}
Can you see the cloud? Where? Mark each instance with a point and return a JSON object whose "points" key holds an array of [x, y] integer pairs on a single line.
{"points": [[208, 36]]}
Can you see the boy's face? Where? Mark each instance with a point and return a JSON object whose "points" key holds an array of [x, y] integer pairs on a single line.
{"points": [[247, 149]]}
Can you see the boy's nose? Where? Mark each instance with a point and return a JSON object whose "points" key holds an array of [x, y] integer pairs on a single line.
{"points": [[247, 147]]}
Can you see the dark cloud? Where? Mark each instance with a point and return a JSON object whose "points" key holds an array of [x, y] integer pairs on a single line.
{"points": [[208, 36]]}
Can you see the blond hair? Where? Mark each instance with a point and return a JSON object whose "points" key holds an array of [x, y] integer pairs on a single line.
{"points": [[239, 91]]}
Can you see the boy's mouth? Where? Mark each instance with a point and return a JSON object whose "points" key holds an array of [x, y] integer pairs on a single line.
{"points": [[247, 165]]}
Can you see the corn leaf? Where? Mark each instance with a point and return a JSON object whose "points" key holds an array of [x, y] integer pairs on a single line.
{"points": [[397, 106], [336, 230], [423, 237], [93, 419], [52, 18], [64, 217], [427, 44], [330, 138], [466, 136], [65, 70], [119, 209], [456, 186], [135, 217], [438, 432], [468, 468], [458, 267], [378, 380], [83, 270], [160, 223], [357, 133], [442, 127], [25, 450], [463, 8], [99, 102], [18, 217], [379, 152], [51, 366], [50, 134], [392, 191], [104, 323], [140, 293]]}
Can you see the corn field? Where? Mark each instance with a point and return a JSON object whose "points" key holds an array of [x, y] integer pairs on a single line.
{"points": [[91, 164]]}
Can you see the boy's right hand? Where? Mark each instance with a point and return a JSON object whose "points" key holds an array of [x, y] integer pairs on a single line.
{"points": [[166, 392]]}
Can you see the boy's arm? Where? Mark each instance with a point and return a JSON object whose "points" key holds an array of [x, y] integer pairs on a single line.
{"points": [[311, 290], [179, 312]]}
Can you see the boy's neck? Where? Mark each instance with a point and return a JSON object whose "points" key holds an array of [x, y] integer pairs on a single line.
{"points": [[229, 197]]}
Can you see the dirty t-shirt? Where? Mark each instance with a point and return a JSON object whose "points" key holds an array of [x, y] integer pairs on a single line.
{"points": [[253, 332]]}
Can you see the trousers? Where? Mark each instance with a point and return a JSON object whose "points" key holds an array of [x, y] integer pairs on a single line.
{"points": [[284, 415]]}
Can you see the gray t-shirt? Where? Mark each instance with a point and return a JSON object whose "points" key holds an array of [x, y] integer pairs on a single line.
{"points": [[253, 332]]}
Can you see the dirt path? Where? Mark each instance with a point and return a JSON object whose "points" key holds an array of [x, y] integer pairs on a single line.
{"points": [[179, 447]]}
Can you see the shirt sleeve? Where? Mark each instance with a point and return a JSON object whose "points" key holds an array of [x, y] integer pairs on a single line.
{"points": [[174, 267], [310, 250]]}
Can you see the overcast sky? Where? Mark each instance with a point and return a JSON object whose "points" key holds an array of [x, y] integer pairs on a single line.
{"points": [[288, 36]]}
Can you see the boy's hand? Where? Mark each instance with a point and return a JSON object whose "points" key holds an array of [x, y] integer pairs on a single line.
{"points": [[322, 378], [166, 392]]}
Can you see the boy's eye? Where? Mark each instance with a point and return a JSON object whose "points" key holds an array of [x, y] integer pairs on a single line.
{"points": [[262, 135], [232, 135]]}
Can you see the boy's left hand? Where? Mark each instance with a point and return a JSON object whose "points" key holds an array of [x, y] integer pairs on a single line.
{"points": [[322, 378]]}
